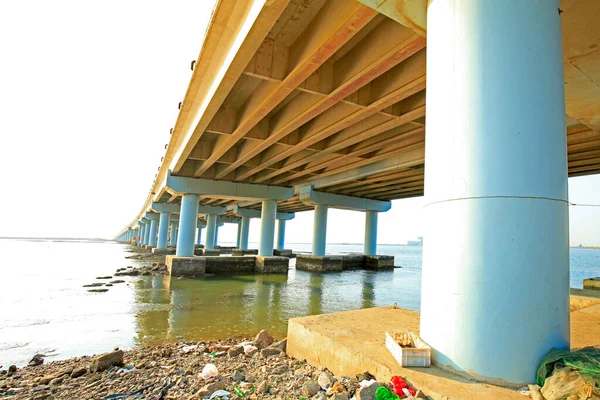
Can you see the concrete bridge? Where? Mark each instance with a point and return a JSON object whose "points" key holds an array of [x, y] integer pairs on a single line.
{"points": [[297, 105]]}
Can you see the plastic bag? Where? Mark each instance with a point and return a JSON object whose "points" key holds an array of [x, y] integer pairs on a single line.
{"points": [[209, 371]]}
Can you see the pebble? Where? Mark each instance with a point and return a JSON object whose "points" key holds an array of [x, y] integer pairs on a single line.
{"points": [[326, 380]]}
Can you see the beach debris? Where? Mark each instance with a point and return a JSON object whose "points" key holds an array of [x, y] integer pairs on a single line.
{"points": [[209, 371]]}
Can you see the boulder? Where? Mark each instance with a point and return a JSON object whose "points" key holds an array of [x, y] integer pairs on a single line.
{"points": [[106, 361], [263, 339], [368, 392], [326, 380], [310, 388]]}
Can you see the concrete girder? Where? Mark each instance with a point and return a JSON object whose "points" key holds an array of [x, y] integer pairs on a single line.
{"points": [[228, 220], [309, 196], [206, 210], [251, 213], [161, 207], [225, 189], [410, 13], [152, 216]]}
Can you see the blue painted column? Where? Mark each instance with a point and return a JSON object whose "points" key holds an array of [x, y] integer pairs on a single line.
{"points": [[239, 236], [142, 233], [495, 281], [211, 227], [199, 237], [370, 233], [147, 232], [163, 230], [188, 220], [173, 233], [280, 234], [267, 227], [216, 240], [153, 231], [320, 230], [245, 230]]}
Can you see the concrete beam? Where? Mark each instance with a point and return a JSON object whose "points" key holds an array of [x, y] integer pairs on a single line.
{"points": [[161, 207], [228, 220], [312, 197], [205, 210], [152, 216], [251, 213], [410, 13], [233, 190]]}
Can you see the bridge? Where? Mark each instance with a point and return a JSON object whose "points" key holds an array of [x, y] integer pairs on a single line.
{"points": [[296, 105]]}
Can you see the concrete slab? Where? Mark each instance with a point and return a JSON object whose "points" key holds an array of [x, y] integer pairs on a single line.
{"points": [[185, 266], [163, 252], [283, 253], [308, 262], [247, 252], [592, 283], [352, 342], [271, 265]]}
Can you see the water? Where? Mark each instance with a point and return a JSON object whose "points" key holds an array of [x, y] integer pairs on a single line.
{"points": [[45, 309]]}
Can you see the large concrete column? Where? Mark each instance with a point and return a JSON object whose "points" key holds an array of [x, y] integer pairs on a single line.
{"points": [[187, 225], [280, 234], [211, 228], [245, 230], [319, 230], [267, 227], [239, 235], [163, 230], [173, 233], [216, 239], [147, 232], [199, 237], [370, 233], [495, 289], [153, 231], [142, 233]]}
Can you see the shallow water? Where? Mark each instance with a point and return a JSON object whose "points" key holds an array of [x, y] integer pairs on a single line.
{"points": [[44, 309]]}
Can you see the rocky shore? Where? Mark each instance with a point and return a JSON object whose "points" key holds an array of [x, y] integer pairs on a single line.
{"points": [[228, 369]]}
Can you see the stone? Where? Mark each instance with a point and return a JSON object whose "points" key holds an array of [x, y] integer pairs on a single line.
{"points": [[235, 351], [97, 290], [319, 396], [209, 389], [117, 281], [339, 396], [368, 392], [36, 360], [57, 381], [281, 345], [12, 369], [104, 277], [78, 372], [262, 387], [326, 380], [106, 361], [337, 388], [270, 352], [250, 350], [96, 284], [263, 339], [365, 376], [310, 388], [238, 376]]}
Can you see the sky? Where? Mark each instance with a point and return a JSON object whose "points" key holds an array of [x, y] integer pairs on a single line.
{"points": [[88, 93]]}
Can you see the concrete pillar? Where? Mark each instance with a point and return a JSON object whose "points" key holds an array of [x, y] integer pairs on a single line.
{"points": [[188, 219], [173, 233], [141, 233], [495, 283], [216, 241], [267, 227], [199, 238], [245, 230], [163, 229], [239, 235], [320, 230], [153, 231], [147, 232], [370, 233], [211, 230], [280, 234]]}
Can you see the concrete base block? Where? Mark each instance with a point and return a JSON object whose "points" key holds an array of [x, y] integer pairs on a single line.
{"points": [[244, 264], [162, 252], [207, 252], [272, 265], [379, 262], [308, 262], [283, 253], [353, 261], [225, 249], [186, 266], [148, 247], [247, 252], [592, 283]]}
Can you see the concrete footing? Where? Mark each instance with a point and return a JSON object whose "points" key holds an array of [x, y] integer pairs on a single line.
{"points": [[225, 249], [149, 247], [163, 252], [199, 266], [592, 283], [283, 253], [247, 252], [337, 263]]}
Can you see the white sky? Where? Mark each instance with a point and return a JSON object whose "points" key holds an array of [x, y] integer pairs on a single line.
{"points": [[88, 93]]}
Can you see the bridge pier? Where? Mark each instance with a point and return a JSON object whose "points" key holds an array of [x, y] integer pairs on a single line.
{"points": [[280, 234], [320, 230], [496, 249], [244, 232], [146, 231], [370, 233], [199, 237], [153, 229], [238, 236], [211, 231], [188, 220], [267, 227], [163, 228], [173, 233]]}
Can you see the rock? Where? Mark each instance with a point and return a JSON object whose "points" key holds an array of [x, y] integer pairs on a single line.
{"points": [[238, 376], [339, 396], [57, 381], [117, 281], [235, 351], [246, 385], [104, 277], [368, 392], [420, 395], [36, 360], [326, 380], [262, 387], [97, 290], [96, 284], [263, 339], [44, 380], [269, 352], [337, 388], [310, 388], [209, 389], [106, 361], [319, 396], [281, 345], [250, 350], [365, 376], [78, 372]]}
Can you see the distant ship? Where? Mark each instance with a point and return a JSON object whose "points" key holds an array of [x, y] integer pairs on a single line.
{"points": [[418, 242]]}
